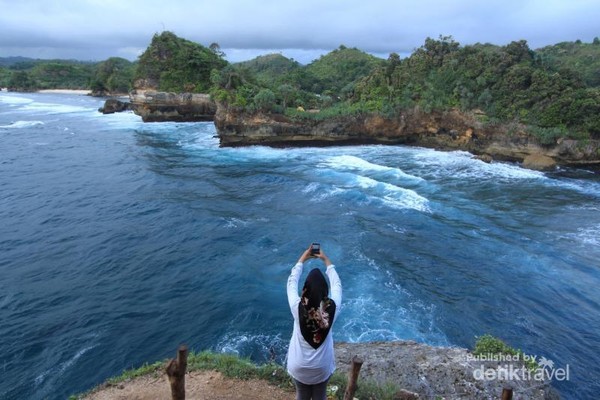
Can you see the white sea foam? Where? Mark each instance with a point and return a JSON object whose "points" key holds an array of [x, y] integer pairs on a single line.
{"points": [[589, 236], [14, 100], [392, 195], [363, 189], [51, 108], [122, 120], [353, 163], [233, 223], [398, 314], [462, 165], [21, 124], [311, 187], [320, 192], [581, 186], [397, 228], [246, 343]]}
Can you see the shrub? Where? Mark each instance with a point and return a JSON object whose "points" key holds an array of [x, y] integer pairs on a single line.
{"points": [[265, 100], [490, 345]]}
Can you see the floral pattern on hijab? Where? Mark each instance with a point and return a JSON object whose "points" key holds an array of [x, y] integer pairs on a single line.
{"points": [[316, 310]]}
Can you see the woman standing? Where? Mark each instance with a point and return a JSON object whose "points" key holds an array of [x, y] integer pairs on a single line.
{"points": [[310, 358]]}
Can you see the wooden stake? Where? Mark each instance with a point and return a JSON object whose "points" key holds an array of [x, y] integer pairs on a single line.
{"points": [[353, 377], [507, 394], [176, 372]]}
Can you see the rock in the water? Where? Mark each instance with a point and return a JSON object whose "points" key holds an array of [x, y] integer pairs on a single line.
{"points": [[539, 162], [486, 158], [114, 105], [155, 106]]}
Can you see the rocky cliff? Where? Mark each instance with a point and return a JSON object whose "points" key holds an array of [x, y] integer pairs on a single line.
{"points": [[155, 106], [451, 130], [440, 372]]}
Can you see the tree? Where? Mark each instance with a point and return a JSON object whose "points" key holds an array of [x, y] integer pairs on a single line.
{"points": [[215, 48], [174, 64], [393, 61], [114, 75], [286, 91], [264, 100], [20, 82]]}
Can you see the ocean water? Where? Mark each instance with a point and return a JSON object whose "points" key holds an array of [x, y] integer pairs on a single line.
{"points": [[121, 240]]}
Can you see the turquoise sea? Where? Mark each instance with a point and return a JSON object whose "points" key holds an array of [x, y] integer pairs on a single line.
{"points": [[121, 240]]}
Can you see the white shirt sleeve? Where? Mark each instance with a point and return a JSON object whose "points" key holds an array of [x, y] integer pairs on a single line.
{"points": [[335, 287], [292, 289]]}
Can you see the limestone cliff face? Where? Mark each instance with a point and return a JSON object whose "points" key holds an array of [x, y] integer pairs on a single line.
{"points": [[155, 106], [451, 130], [438, 372]]}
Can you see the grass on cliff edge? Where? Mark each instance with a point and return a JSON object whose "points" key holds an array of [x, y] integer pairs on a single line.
{"points": [[489, 345], [233, 366]]}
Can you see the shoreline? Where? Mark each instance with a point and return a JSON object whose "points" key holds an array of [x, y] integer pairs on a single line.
{"points": [[81, 92]]}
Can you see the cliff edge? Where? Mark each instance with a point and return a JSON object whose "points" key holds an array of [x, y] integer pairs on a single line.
{"points": [[449, 130], [412, 369], [154, 106], [438, 372]]}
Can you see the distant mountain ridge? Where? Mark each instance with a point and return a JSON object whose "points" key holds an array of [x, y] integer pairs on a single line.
{"points": [[11, 62]]}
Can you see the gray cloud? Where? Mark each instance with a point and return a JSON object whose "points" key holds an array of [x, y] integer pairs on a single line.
{"points": [[93, 29]]}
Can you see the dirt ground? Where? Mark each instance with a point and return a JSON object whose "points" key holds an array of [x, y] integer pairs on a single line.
{"points": [[199, 385]]}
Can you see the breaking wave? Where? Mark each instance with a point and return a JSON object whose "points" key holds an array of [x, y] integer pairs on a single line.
{"points": [[21, 124]]}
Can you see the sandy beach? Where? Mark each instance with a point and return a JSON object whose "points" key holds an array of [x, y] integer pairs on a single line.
{"points": [[65, 91]]}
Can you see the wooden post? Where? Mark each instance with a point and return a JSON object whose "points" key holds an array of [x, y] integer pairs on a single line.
{"points": [[507, 393], [176, 372], [353, 377]]}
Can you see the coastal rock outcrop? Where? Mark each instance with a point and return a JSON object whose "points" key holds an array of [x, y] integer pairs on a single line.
{"points": [[449, 130], [112, 106], [155, 106], [438, 372], [539, 162]]}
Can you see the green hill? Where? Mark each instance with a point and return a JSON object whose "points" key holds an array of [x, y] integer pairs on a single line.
{"points": [[174, 64], [339, 68], [10, 61], [581, 58], [270, 68], [276, 82]]}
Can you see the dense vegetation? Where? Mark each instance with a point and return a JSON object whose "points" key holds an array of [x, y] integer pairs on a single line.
{"points": [[170, 63], [274, 83], [509, 83], [581, 58], [336, 72], [114, 75], [173, 64], [548, 90], [23, 74], [270, 69]]}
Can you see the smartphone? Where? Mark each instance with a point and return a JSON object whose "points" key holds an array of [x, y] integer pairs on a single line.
{"points": [[315, 249]]}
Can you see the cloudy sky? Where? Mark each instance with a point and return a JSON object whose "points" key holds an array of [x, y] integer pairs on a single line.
{"points": [[301, 29]]}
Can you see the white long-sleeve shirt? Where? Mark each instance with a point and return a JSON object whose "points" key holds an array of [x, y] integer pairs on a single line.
{"points": [[304, 363]]}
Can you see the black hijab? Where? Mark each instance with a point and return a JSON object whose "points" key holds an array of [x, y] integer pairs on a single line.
{"points": [[316, 310]]}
